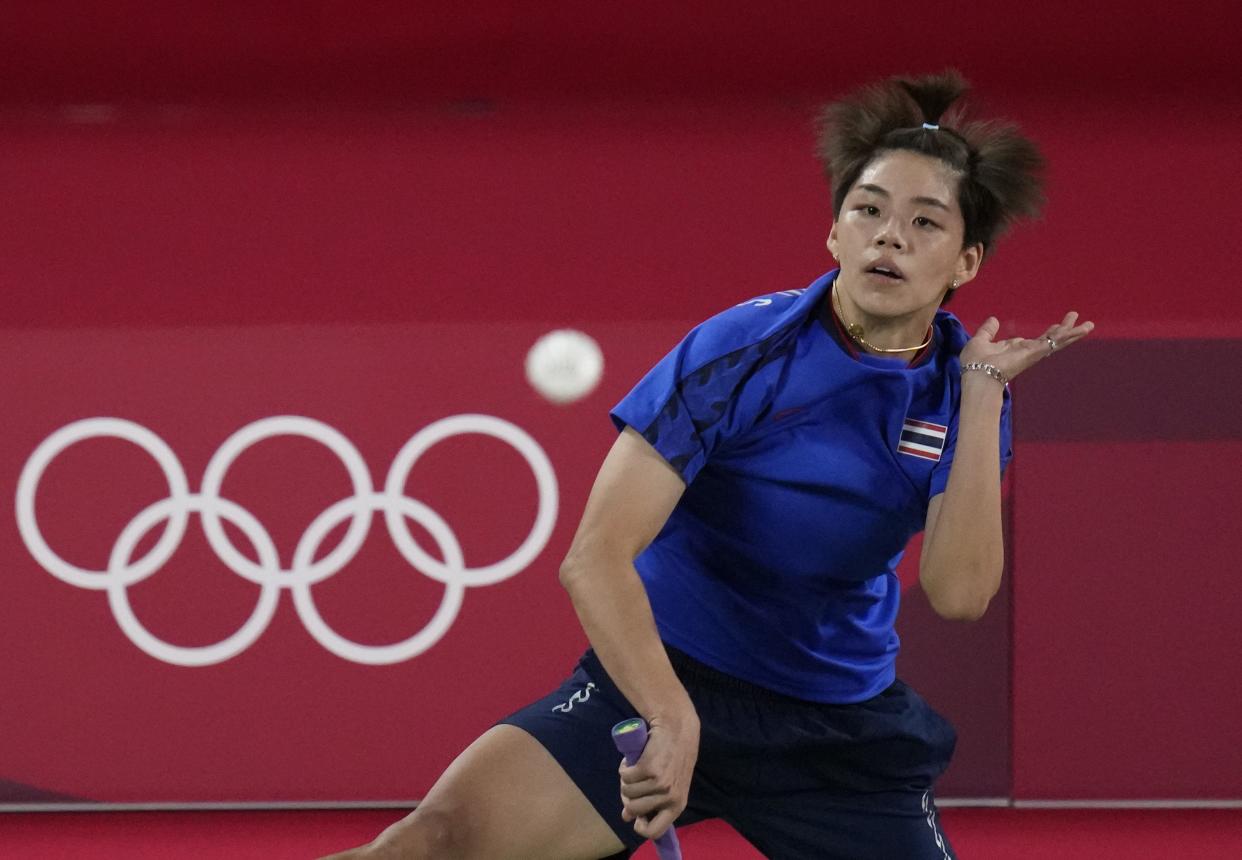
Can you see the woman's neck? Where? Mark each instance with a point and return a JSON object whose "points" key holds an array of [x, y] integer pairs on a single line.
{"points": [[890, 336]]}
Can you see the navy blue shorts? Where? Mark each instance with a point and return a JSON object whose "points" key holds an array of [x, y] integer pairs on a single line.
{"points": [[797, 779]]}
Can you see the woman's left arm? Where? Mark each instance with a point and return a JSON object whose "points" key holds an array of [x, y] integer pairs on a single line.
{"points": [[963, 549]]}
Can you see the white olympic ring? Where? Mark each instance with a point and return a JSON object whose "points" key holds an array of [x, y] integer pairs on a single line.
{"points": [[304, 571]]}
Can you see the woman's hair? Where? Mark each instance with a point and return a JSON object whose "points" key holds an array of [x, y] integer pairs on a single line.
{"points": [[998, 168]]}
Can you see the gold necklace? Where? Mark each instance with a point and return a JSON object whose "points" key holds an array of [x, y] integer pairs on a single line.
{"points": [[855, 331]]}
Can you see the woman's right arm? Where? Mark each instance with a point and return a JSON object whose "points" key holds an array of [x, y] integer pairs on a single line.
{"points": [[633, 495]]}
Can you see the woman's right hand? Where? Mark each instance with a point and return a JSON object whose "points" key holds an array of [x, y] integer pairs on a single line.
{"points": [[655, 790]]}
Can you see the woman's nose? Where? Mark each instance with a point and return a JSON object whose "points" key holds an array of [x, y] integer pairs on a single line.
{"points": [[888, 237]]}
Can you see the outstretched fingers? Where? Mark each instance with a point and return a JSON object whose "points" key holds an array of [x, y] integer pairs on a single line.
{"points": [[1066, 332], [1011, 356]]}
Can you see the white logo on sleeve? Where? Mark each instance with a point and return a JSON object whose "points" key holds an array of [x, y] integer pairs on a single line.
{"points": [[765, 301]]}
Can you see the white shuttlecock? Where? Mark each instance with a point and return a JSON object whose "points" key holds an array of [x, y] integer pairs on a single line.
{"points": [[564, 365]]}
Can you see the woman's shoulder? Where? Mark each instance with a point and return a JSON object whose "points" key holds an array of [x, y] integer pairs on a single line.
{"points": [[762, 321]]}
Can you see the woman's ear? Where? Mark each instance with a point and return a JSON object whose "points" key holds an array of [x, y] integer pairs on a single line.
{"points": [[968, 263]]}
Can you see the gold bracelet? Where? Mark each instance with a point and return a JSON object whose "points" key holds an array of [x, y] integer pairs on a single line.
{"points": [[990, 369]]}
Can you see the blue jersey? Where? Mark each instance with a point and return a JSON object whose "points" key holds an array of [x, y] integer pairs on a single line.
{"points": [[808, 467]]}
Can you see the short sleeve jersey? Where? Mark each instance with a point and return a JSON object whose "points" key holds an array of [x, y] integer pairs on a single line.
{"points": [[808, 469]]}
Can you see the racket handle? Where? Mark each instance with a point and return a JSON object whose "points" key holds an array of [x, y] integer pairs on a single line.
{"points": [[630, 736]]}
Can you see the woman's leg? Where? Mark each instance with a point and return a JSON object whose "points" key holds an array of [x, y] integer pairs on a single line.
{"points": [[903, 825], [504, 798], [847, 781]]}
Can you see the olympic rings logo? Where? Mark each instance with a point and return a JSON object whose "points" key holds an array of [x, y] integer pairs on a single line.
{"points": [[124, 570]]}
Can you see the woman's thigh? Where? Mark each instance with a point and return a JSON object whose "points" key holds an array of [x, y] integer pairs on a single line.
{"points": [[503, 798]]}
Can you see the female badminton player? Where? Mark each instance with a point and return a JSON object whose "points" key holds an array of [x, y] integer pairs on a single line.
{"points": [[734, 566]]}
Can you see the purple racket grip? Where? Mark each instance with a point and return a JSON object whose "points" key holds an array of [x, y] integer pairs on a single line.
{"points": [[630, 736]]}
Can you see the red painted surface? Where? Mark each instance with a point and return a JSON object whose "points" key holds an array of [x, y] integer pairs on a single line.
{"points": [[284, 719], [558, 212], [977, 834], [283, 49], [1126, 633]]}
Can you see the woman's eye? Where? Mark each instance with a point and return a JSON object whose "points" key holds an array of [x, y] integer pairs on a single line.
{"points": [[871, 210], [924, 222]]}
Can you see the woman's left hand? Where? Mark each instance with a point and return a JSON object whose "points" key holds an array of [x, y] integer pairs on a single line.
{"points": [[1016, 354]]}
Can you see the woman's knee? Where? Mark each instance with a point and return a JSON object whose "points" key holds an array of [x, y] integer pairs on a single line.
{"points": [[433, 830]]}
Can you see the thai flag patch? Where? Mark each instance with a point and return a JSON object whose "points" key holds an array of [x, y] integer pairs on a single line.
{"points": [[922, 439]]}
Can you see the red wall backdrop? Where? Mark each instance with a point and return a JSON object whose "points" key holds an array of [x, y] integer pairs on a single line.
{"points": [[229, 179]]}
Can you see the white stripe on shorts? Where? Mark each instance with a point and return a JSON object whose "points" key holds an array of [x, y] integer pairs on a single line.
{"points": [[930, 811]]}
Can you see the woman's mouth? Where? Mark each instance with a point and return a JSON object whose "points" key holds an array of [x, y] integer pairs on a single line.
{"points": [[892, 274]]}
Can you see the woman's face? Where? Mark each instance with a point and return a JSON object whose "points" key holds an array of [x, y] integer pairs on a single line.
{"points": [[899, 236]]}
